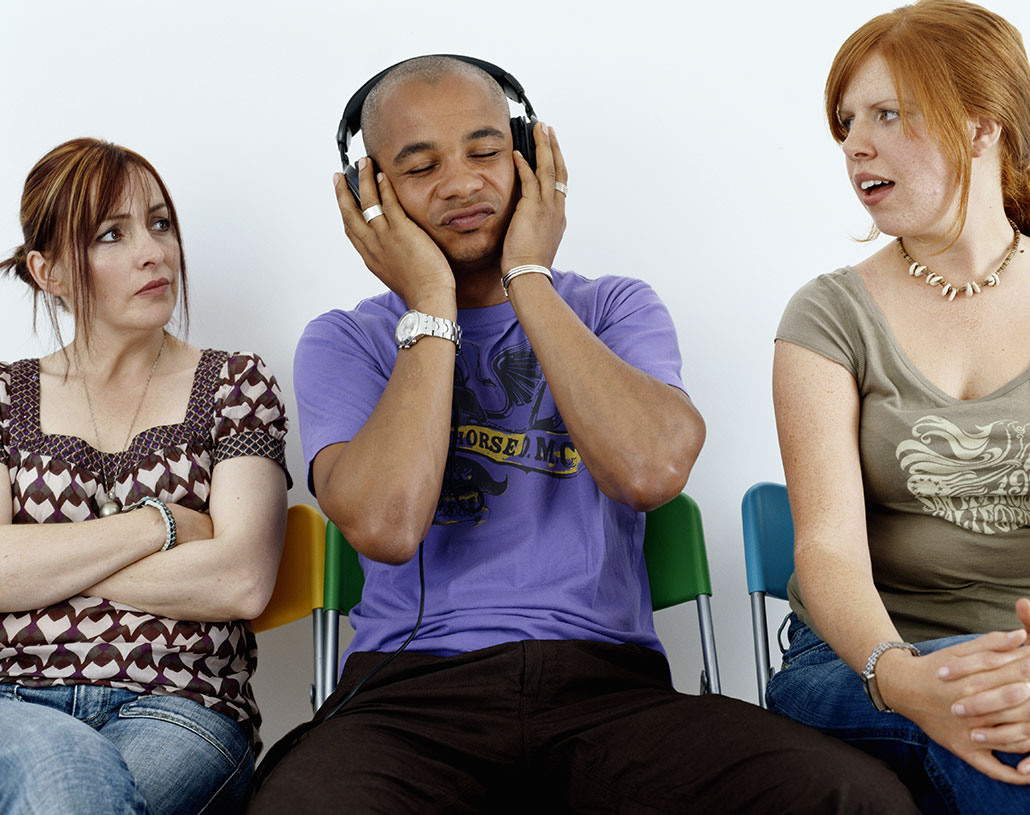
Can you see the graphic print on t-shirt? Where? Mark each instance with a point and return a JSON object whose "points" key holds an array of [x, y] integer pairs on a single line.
{"points": [[978, 479], [503, 414]]}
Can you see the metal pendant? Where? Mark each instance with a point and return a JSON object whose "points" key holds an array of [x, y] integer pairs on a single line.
{"points": [[110, 506]]}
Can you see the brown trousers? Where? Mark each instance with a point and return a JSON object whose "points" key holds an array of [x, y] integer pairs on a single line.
{"points": [[559, 726]]}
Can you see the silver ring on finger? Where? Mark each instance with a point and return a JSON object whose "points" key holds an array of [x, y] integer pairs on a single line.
{"points": [[562, 188], [373, 211]]}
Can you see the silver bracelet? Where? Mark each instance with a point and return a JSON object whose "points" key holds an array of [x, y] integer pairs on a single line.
{"points": [[868, 676], [166, 516], [529, 268]]}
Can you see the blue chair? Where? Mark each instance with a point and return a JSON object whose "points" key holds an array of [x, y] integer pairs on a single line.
{"points": [[677, 569], [769, 557]]}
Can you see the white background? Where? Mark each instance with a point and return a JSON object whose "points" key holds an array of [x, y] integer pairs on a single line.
{"points": [[698, 156]]}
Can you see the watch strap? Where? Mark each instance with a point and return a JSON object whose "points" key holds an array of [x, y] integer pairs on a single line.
{"points": [[426, 325]]}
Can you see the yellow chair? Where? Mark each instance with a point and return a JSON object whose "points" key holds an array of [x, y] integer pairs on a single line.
{"points": [[299, 584]]}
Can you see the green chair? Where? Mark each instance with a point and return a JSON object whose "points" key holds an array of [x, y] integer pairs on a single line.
{"points": [[343, 583], [677, 568]]}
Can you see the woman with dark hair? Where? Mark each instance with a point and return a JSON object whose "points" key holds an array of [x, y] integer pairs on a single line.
{"points": [[144, 518], [902, 396]]}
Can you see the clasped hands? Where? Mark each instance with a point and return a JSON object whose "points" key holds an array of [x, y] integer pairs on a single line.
{"points": [[973, 698], [404, 257]]}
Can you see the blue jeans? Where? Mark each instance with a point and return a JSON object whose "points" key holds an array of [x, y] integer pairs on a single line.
{"points": [[817, 688], [96, 750]]}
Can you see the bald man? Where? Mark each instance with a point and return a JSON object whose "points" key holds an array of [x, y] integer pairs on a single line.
{"points": [[488, 434]]}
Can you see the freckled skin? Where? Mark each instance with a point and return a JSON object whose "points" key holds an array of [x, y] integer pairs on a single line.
{"points": [[924, 198]]}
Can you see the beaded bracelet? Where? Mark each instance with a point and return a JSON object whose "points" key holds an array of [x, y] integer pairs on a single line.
{"points": [[530, 268], [166, 516]]}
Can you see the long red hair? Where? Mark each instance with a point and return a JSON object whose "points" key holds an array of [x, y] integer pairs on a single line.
{"points": [[958, 62]]}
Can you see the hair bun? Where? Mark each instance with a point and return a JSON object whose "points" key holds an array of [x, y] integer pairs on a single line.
{"points": [[18, 263]]}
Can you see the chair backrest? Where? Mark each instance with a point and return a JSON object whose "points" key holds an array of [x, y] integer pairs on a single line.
{"points": [[768, 539], [298, 584], [344, 579], [674, 549]]}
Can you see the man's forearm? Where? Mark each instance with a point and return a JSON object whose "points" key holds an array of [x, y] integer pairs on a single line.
{"points": [[638, 437], [382, 487]]}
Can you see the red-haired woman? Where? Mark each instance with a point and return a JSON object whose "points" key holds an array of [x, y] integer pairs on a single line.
{"points": [[902, 396], [143, 519]]}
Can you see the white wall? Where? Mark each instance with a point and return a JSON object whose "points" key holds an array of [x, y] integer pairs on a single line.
{"points": [[698, 161]]}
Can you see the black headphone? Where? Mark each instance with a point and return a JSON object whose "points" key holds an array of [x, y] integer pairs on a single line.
{"points": [[521, 126]]}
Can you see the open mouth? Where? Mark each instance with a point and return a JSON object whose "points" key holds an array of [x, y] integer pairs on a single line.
{"points": [[875, 185]]}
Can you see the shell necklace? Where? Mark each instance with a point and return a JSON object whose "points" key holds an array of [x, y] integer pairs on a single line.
{"points": [[110, 506], [949, 290]]}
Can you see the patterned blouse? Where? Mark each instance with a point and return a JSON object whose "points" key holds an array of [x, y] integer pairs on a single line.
{"points": [[234, 409]]}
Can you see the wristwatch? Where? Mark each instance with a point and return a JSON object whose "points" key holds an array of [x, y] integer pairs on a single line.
{"points": [[869, 674], [414, 325]]}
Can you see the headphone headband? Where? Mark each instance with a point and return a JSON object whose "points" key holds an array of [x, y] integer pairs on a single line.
{"points": [[351, 121]]}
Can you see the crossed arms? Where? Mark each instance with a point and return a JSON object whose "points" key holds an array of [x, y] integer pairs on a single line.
{"points": [[223, 567]]}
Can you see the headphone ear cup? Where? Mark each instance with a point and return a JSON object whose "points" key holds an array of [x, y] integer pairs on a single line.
{"points": [[351, 175], [522, 138]]}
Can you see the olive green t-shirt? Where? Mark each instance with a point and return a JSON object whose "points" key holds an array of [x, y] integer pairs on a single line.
{"points": [[947, 481]]}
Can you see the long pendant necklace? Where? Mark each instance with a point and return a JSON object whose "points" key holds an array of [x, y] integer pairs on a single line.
{"points": [[110, 506], [949, 290]]}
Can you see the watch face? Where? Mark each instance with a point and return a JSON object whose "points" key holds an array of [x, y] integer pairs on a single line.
{"points": [[407, 325]]}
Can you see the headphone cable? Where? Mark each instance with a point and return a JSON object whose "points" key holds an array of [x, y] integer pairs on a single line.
{"points": [[449, 484], [395, 654]]}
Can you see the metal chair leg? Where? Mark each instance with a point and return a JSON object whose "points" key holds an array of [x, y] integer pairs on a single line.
{"points": [[763, 668], [711, 672], [318, 693], [330, 652]]}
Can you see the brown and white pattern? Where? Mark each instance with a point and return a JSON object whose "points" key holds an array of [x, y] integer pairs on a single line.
{"points": [[235, 409]]}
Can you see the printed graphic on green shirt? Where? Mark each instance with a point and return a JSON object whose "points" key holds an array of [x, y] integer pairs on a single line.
{"points": [[976, 478]]}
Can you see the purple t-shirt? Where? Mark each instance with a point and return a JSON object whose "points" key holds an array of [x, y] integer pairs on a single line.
{"points": [[524, 545]]}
